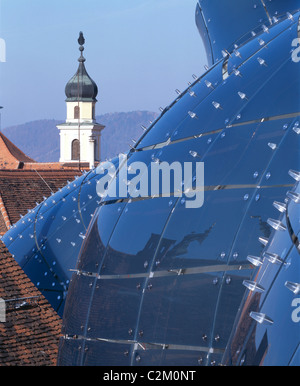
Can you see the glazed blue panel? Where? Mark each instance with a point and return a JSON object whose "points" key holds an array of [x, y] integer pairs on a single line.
{"points": [[59, 233], [50, 281], [23, 245], [227, 162], [121, 188], [73, 350], [230, 297], [114, 309], [255, 224], [99, 236], [195, 239], [173, 357], [17, 229], [133, 243], [111, 354], [172, 309], [76, 310], [278, 170]]}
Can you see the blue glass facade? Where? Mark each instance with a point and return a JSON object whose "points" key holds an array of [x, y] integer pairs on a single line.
{"points": [[161, 284]]}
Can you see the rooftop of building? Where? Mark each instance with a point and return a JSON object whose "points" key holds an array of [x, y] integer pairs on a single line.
{"points": [[29, 336]]}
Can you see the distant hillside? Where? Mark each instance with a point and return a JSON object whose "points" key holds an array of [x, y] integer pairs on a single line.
{"points": [[40, 139]]}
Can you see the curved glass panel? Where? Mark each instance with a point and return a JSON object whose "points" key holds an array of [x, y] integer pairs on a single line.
{"points": [[155, 274]]}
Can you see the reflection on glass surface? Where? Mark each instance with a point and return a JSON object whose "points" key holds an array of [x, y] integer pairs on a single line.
{"points": [[161, 284]]}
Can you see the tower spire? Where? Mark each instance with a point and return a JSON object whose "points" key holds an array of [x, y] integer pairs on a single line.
{"points": [[80, 135]]}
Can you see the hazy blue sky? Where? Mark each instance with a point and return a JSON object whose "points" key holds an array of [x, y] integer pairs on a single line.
{"points": [[137, 51]]}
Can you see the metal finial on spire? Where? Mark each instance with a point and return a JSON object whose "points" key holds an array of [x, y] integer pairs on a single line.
{"points": [[81, 41]]}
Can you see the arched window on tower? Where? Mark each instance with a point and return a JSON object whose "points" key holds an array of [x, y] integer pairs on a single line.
{"points": [[75, 150], [76, 112]]}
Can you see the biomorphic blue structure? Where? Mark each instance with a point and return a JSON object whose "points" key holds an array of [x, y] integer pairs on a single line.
{"points": [[161, 284]]}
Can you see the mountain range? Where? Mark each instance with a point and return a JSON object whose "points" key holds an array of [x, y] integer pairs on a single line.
{"points": [[40, 139]]}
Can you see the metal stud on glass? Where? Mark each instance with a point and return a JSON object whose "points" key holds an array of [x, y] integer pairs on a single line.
{"points": [[216, 105], [255, 260], [276, 224], [273, 258], [192, 115], [261, 318], [279, 206], [253, 286], [294, 287], [263, 240], [294, 196], [294, 174]]}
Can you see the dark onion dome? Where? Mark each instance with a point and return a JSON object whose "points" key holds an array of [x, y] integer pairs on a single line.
{"points": [[81, 87]]}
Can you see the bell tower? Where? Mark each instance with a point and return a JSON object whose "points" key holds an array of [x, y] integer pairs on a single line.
{"points": [[80, 135]]}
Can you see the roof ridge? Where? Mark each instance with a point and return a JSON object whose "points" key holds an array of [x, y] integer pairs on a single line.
{"points": [[15, 152], [4, 213]]}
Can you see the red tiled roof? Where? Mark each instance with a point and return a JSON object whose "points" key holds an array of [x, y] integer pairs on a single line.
{"points": [[29, 336], [20, 190], [11, 157]]}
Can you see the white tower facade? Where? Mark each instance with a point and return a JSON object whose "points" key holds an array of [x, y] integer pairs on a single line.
{"points": [[80, 135]]}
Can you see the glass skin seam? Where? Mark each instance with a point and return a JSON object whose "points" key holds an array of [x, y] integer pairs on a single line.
{"points": [[206, 189], [149, 345], [176, 272], [160, 145], [267, 12], [294, 354]]}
